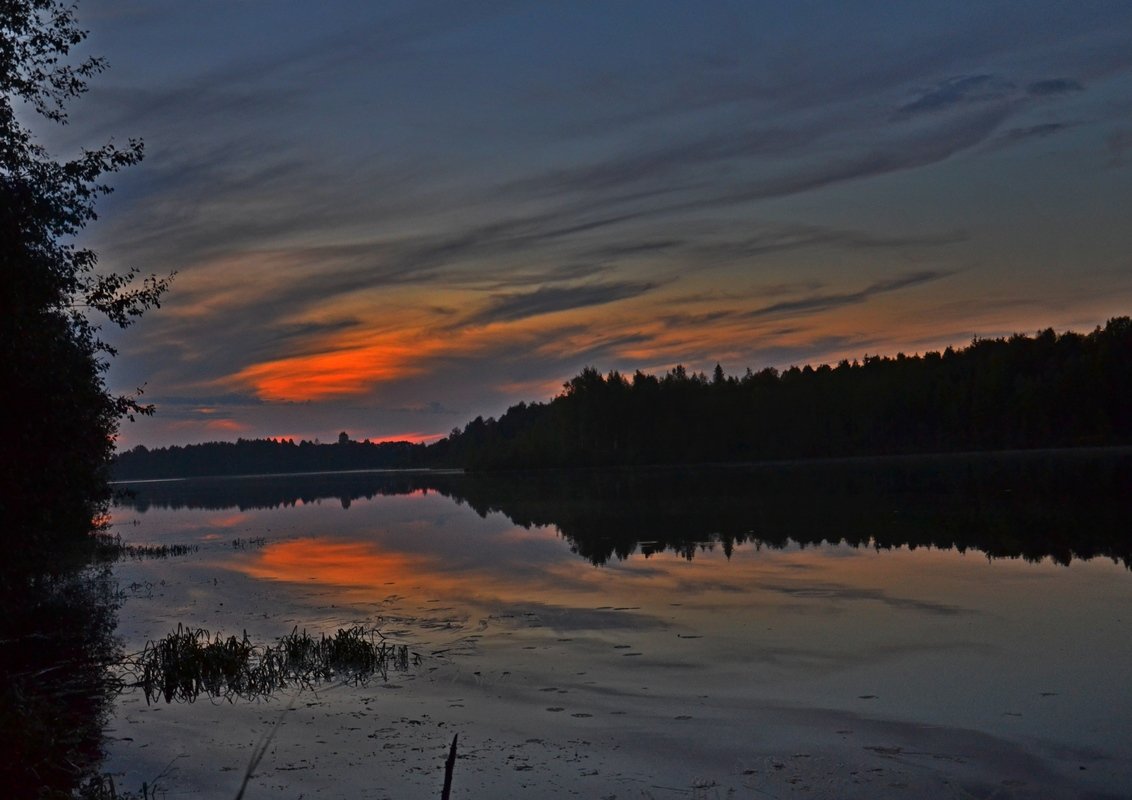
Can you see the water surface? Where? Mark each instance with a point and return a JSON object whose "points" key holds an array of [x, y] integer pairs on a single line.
{"points": [[953, 627]]}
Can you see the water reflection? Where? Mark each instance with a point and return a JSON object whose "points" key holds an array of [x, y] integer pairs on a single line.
{"points": [[56, 644], [718, 631], [1057, 505]]}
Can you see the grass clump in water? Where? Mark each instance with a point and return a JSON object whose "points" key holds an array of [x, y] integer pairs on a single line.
{"points": [[112, 548], [189, 663], [140, 551]]}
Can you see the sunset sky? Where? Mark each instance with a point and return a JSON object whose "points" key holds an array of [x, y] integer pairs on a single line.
{"points": [[389, 217]]}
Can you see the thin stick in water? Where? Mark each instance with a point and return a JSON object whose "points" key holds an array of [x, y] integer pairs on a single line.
{"points": [[449, 765]]}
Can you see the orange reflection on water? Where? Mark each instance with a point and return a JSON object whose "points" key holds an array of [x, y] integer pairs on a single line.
{"points": [[360, 568], [228, 521], [365, 571], [361, 571]]}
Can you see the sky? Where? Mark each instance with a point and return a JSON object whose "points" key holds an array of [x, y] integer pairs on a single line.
{"points": [[387, 218]]}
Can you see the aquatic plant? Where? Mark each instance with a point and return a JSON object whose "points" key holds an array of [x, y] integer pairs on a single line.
{"points": [[112, 548], [190, 662], [140, 551]]}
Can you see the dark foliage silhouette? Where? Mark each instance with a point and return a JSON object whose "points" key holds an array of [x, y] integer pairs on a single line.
{"points": [[60, 419], [1048, 390], [265, 456]]}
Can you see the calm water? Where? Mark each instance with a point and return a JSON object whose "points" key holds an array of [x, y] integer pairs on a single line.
{"points": [[862, 629]]}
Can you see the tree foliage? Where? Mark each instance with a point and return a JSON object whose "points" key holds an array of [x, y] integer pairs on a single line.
{"points": [[264, 457], [1022, 392], [60, 420]]}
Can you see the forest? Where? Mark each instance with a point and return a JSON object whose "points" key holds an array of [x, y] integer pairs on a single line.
{"points": [[1022, 392], [265, 457]]}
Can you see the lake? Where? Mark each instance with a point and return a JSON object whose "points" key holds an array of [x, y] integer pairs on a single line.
{"points": [[909, 627]]}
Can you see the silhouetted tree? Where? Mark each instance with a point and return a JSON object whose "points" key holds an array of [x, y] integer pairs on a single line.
{"points": [[60, 419], [264, 457], [1023, 392]]}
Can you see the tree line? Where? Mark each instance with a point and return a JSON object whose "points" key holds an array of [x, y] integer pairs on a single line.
{"points": [[265, 457], [1021, 392]]}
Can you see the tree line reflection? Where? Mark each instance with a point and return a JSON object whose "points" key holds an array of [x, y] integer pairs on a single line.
{"points": [[1061, 505]]}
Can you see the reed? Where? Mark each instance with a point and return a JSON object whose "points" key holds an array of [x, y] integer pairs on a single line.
{"points": [[112, 548], [190, 662]]}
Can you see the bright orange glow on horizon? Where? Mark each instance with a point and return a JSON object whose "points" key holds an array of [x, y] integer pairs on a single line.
{"points": [[414, 437]]}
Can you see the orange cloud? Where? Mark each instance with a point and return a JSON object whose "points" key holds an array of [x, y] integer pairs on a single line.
{"points": [[354, 362], [537, 390], [224, 425], [342, 367], [649, 334]]}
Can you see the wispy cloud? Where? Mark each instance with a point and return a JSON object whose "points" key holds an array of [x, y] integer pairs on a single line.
{"points": [[1054, 86], [825, 302], [959, 91], [552, 299], [775, 239], [420, 200], [1035, 131]]}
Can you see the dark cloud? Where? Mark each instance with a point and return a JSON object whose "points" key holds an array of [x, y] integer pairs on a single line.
{"points": [[774, 239], [200, 353], [772, 82], [604, 350], [228, 399], [1119, 142], [920, 150], [1035, 131], [700, 320], [654, 163], [630, 249], [960, 91], [825, 302], [548, 300], [432, 407], [900, 153], [1054, 86]]}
